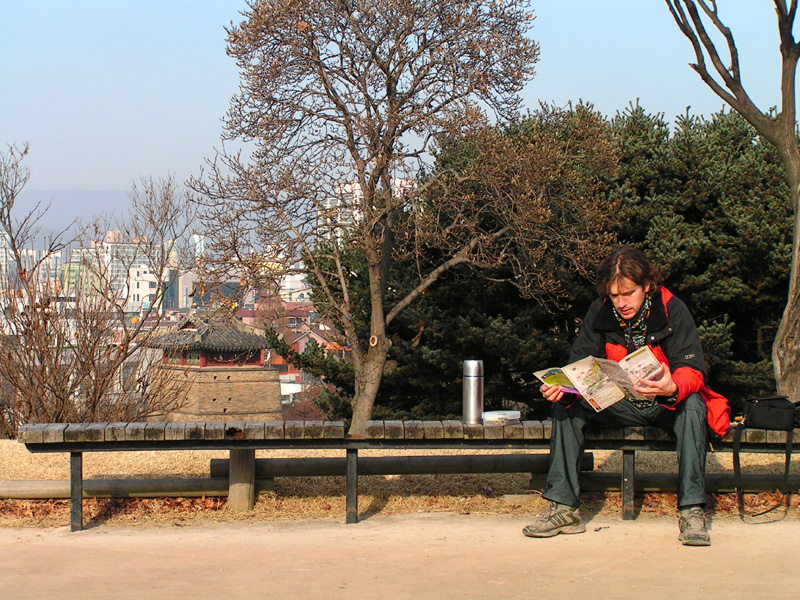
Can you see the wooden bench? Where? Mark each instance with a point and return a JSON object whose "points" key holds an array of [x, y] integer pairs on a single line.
{"points": [[242, 439]]}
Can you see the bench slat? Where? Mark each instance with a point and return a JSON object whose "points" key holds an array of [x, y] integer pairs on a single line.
{"points": [[134, 432], [532, 430], [633, 433], [453, 430], [414, 430], [75, 432], [513, 432], [433, 430], [96, 432], [473, 432], [614, 433], [394, 430], [333, 430], [195, 431], [657, 434], [175, 431], [493, 432], [374, 430], [254, 430], [54, 433], [234, 430], [777, 437], [115, 432], [155, 432], [32, 433], [273, 430], [293, 430], [214, 430], [313, 430], [593, 433]]}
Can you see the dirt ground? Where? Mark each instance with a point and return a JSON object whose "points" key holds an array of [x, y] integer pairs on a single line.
{"points": [[409, 556], [323, 497]]}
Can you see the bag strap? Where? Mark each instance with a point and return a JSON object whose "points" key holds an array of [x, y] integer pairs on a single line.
{"points": [[737, 467], [789, 439]]}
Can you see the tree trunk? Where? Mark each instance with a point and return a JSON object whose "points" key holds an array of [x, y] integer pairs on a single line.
{"points": [[369, 377], [786, 349]]}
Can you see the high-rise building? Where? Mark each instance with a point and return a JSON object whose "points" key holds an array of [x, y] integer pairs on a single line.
{"points": [[5, 255], [338, 215]]}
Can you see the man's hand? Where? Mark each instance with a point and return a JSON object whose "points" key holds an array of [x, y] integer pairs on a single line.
{"points": [[659, 383], [551, 393]]}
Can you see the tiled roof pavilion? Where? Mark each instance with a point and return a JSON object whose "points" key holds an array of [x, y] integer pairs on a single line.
{"points": [[226, 359], [211, 330]]}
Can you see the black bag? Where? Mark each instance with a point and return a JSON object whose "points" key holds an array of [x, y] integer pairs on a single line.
{"points": [[769, 412], [764, 412]]}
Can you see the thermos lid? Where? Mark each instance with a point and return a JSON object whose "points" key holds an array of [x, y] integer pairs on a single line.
{"points": [[473, 368]]}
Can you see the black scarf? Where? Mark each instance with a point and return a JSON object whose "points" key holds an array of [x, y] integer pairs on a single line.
{"points": [[635, 330]]}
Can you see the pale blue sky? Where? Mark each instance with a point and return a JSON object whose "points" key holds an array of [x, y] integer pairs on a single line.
{"points": [[107, 91]]}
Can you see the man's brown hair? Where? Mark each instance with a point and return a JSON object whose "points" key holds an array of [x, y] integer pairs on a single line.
{"points": [[627, 262]]}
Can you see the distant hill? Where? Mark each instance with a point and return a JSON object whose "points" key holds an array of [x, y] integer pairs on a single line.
{"points": [[68, 205]]}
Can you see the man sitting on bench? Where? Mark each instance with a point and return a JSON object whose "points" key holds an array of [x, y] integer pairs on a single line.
{"points": [[634, 310]]}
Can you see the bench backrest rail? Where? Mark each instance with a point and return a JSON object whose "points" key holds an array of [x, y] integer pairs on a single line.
{"points": [[88, 437]]}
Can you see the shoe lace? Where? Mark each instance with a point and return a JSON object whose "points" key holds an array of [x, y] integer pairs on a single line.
{"points": [[548, 512], [696, 521]]}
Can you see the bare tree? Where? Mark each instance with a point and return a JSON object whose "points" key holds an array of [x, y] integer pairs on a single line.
{"points": [[341, 104], [74, 338], [724, 77]]}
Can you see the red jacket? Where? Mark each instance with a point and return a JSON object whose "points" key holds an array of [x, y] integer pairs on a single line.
{"points": [[672, 336]]}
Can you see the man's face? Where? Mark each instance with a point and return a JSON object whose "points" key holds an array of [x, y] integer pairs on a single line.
{"points": [[627, 297]]}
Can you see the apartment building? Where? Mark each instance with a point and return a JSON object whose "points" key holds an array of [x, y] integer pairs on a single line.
{"points": [[337, 215]]}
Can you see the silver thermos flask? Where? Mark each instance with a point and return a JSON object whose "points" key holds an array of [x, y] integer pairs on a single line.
{"points": [[473, 392]]}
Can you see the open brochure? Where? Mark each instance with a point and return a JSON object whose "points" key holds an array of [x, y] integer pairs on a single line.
{"points": [[602, 381]]}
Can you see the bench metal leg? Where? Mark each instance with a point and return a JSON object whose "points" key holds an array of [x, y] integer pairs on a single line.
{"points": [[351, 492], [242, 479], [76, 491], [628, 481]]}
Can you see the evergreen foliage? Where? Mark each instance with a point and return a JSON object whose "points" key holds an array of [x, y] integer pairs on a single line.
{"points": [[466, 317], [710, 206], [707, 202]]}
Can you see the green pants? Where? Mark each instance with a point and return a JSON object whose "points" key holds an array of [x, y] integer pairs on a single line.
{"points": [[688, 421]]}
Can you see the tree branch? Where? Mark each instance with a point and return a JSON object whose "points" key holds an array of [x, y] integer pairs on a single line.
{"points": [[735, 95]]}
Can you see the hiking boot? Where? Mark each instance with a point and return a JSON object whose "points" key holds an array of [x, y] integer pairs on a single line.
{"points": [[692, 522], [559, 518]]}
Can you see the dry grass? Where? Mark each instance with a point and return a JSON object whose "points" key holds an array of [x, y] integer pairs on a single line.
{"points": [[323, 497]]}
